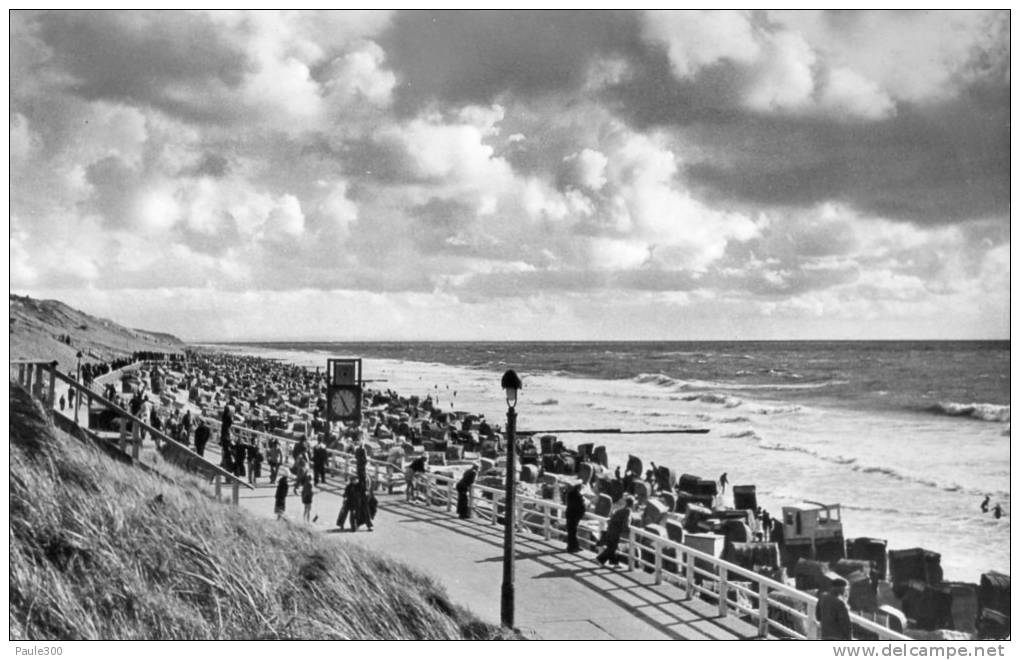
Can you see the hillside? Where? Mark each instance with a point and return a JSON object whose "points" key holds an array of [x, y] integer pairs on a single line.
{"points": [[50, 330], [101, 550]]}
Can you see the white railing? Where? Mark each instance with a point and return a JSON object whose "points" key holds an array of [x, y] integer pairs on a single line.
{"points": [[777, 609], [40, 379]]}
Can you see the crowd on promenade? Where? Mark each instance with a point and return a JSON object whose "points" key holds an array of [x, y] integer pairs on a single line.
{"points": [[241, 391]]}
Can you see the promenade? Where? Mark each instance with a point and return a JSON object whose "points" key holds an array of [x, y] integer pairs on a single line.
{"points": [[558, 595]]}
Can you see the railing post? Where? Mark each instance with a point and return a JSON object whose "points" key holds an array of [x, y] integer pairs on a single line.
{"points": [[52, 398], [689, 573], [495, 508], [546, 513], [28, 379], [136, 440], [631, 564], [724, 588], [811, 623], [763, 609], [657, 546], [123, 421], [235, 494], [428, 491], [449, 495], [519, 515], [218, 485], [389, 479], [21, 374], [38, 381]]}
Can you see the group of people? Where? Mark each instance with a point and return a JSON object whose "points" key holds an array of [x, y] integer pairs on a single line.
{"points": [[996, 510]]}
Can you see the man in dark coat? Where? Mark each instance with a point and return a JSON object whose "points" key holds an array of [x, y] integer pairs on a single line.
{"points": [[201, 437], [574, 514], [833, 613], [351, 505], [464, 490], [319, 457], [226, 421]]}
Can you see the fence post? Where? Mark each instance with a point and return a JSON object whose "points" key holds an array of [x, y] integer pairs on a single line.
{"points": [[52, 398], [763, 609], [495, 508], [21, 374], [217, 485], [546, 513], [657, 546], [449, 494], [136, 440], [724, 588], [689, 573], [428, 490], [235, 494], [38, 381], [630, 549], [28, 379], [123, 421]]}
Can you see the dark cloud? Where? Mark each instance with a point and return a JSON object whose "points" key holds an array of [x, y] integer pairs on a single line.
{"points": [[475, 56], [210, 165], [145, 57], [929, 165]]}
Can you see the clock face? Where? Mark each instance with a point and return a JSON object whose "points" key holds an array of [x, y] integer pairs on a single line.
{"points": [[344, 403]]}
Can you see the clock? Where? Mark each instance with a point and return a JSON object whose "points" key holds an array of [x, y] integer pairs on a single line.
{"points": [[344, 403]]}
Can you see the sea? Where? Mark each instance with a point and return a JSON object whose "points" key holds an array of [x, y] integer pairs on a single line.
{"points": [[908, 437]]}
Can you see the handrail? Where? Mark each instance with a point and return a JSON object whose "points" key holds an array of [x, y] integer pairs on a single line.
{"points": [[92, 396], [682, 557]]}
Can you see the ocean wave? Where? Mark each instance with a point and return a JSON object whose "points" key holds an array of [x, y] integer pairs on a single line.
{"points": [[711, 397], [779, 446], [748, 433], [985, 412], [548, 402], [705, 417], [777, 410]]}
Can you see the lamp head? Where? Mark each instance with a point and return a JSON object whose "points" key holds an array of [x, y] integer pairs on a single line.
{"points": [[511, 383]]}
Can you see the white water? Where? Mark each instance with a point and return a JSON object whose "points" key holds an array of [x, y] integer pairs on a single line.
{"points": [[915, 480]]}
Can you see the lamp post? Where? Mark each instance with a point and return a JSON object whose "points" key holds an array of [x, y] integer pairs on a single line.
{"points": [[511, 383]]}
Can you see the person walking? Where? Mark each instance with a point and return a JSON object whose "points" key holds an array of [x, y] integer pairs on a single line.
{"points": [[833, 613], [319, 457], [464, 492], [574, 514], [274, 457], [226, 421], [201, 437], [984, 503], [619, 524], [350, 505], [281, 497], [306, 497], [723, 480], [419, 466]]}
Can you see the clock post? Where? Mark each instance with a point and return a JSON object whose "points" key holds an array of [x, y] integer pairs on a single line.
{"points": [[343, 390]]}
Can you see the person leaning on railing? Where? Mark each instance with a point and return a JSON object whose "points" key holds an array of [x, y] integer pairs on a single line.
{"points": [[418, 467], [618, 525]]}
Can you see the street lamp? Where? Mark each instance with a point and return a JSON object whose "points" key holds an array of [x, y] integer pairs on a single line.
{"points": [[511, 383]]}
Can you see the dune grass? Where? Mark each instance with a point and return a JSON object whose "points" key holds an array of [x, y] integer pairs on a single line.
{"points": [[101, 550]]}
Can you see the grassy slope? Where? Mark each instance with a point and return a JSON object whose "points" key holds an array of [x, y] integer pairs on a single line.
{"points": [[100, 550], [36, 325]]}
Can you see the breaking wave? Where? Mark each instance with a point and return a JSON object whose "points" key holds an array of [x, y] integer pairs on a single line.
{"points": [[728, 401], [548, 402], [985, 412]]}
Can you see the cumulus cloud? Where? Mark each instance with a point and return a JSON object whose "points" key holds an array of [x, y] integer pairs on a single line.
{"points": [[724, 165]]}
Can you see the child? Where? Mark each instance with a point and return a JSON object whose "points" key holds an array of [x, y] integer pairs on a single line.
{"points": [[306, 495]]}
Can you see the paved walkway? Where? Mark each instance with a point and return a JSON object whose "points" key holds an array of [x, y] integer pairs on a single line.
{"points": [[558, 595]]}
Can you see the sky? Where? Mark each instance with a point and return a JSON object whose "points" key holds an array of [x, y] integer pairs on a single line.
{"points": [[514, 175]]}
